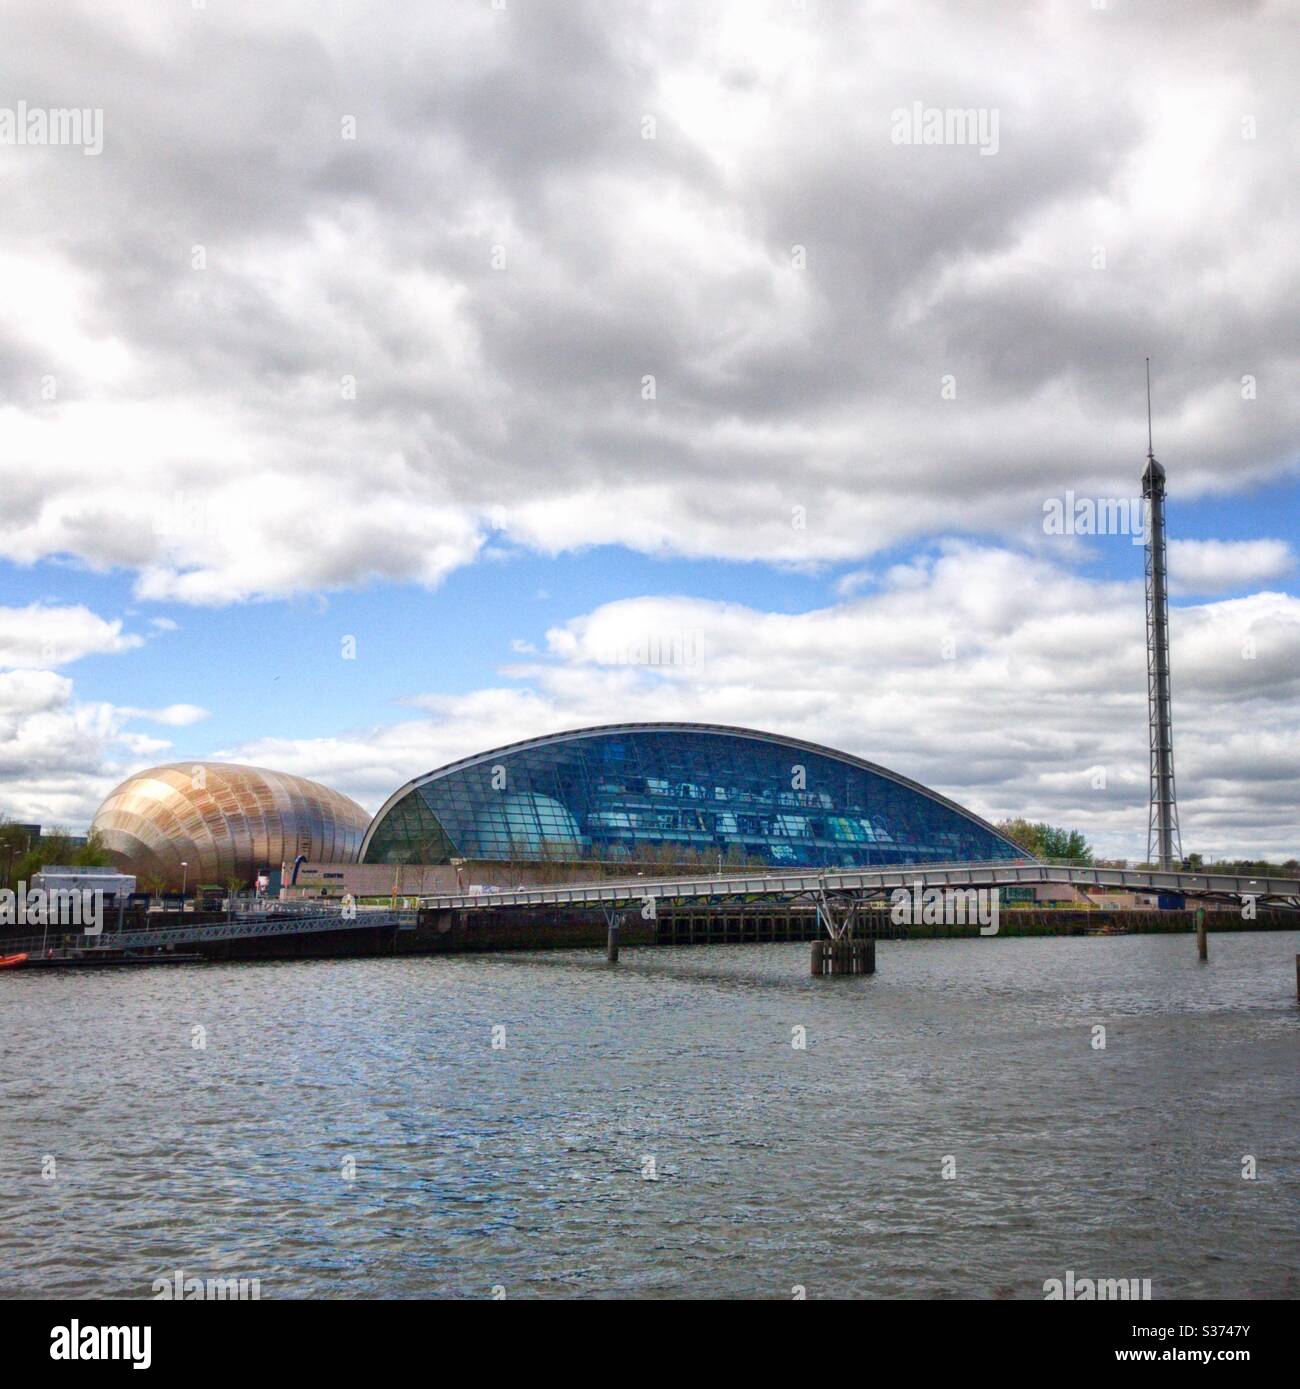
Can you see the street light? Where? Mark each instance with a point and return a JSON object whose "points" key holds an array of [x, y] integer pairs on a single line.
{"points": [[185, 873]]}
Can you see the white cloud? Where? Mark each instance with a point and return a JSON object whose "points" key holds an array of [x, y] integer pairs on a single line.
{"points": [[1045, 685], [998, 678], [1215, 566], [197, 426], [58, 756], [351, 391], [173, 715], [42, 635]]}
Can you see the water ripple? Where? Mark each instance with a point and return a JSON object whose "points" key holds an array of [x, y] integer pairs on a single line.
{"points": [[349, 1129]]}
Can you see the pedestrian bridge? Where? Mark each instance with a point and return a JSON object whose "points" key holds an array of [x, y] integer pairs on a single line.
{"points": [[866, 883], [837, 894], [59, 944]]}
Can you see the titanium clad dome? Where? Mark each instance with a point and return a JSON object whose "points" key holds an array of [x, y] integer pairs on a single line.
{"points": [[224, 821]]}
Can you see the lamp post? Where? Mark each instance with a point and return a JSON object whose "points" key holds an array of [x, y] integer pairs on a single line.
{"points": [[185, 874]]}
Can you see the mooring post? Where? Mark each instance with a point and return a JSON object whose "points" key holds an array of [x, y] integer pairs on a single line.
{"points": [[1202, 943], [611, 943], [819, 957]]}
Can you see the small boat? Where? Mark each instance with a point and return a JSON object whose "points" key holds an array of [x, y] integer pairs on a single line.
{"points": [[12, 961]]}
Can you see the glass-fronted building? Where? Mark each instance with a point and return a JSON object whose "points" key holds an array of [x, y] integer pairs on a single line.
{"points": [[675, 791]]}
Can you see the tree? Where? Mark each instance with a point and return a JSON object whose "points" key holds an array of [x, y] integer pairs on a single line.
{"points": [[23, 855], [1021, 832], [54, 847], [1047, 841], [233, 885], [1261, 867], [15, 845], [1065, 844], [92, 853]]}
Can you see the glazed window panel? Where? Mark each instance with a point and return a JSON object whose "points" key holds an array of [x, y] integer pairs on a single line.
{"points": [[707, 793]]}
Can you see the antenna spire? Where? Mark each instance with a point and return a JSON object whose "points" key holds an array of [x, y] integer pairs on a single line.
{"points": [[1150, 449]]}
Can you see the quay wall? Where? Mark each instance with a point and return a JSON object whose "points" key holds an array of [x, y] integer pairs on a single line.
{"points": [[563, 928], [566, 928]]}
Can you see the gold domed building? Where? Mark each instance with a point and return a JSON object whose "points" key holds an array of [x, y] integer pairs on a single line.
{"points": [[211, 822]]}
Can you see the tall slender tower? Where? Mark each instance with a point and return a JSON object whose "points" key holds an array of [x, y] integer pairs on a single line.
{"points": [[1164, 844]]}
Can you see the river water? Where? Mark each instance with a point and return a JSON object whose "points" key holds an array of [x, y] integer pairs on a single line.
{"points": [[349, 1129]]}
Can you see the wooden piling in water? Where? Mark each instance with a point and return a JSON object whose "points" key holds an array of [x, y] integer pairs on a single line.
{"points": [[611, 941], [1202, 938], [845, 956]]}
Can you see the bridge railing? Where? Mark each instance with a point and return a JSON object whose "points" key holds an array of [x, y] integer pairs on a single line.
{"points": [[857, 880], [61, 941]]}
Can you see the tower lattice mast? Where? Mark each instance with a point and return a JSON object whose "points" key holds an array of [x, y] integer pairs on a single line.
{"points": [[1164, 844]]}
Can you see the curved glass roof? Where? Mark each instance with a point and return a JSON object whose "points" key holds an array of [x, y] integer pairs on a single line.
{"points": [[674, 792]]}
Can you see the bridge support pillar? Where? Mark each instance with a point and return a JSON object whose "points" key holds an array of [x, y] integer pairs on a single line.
{"points": [[612, 922], [840, 951], [847, 955]]}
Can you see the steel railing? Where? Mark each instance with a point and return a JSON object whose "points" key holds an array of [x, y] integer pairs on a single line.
{"points": [[240, 926], [800, 882]]}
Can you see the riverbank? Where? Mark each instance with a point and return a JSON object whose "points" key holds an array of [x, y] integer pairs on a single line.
{"points": [[435, 932]]}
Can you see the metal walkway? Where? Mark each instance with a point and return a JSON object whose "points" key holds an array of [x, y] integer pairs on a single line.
{"points": [[836, 893], [243, 926], [870, 882]]}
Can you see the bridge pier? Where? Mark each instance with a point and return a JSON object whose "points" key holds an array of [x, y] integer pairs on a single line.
{"points": [[840, 952], [613, 920], [847, 955]]}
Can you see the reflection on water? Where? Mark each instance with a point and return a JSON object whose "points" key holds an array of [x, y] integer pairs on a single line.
{"points": [[522, 1165]]}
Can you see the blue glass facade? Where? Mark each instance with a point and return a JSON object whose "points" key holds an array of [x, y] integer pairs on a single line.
{"points": [[668, 791]]}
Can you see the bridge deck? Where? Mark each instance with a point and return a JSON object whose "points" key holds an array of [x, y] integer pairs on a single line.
{"points": [[867, 881], [251, 925], [309, 917]]}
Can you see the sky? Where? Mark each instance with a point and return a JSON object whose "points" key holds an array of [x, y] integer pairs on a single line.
{"points": [[380, 384]]}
